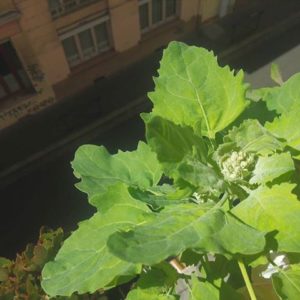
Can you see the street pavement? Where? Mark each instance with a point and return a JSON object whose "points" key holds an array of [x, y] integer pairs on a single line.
{"points": [[288, 63]]}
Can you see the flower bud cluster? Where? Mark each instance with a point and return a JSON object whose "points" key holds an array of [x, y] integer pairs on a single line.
{"points": [[237, 165]]}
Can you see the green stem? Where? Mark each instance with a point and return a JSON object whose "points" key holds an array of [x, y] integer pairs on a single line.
{"points": [[222, 200], [247, 280]]}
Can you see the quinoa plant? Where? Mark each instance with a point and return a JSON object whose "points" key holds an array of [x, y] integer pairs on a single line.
{"points": [[207, 207]]}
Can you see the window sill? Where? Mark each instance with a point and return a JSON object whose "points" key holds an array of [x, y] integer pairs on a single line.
{"points": [[101, 57]]}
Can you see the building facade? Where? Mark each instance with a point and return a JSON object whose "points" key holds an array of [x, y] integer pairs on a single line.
{"points": [[51, 49]]}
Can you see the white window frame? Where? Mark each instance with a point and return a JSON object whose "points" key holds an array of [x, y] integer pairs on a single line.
{"points": [[76, 29], [164, 18]]}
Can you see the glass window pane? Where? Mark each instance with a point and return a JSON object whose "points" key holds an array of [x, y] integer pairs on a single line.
{"points": [[69, 4], [71, 50], [86, 42], [4, 69], [2, 92], [11, 55], [53, 4], [55, 7], [101, 36], [170, 8], [11, 82], [157, 11], [144, 16]]}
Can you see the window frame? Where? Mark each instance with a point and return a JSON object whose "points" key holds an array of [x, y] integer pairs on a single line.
{"points": [[90, 25], [164, 20], [62, 9]]}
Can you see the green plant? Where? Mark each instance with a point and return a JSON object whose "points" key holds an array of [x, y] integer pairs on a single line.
{"points": [[198, 209], [21, 279]]}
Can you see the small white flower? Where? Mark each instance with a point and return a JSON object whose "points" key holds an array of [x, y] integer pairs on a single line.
{"points": [[197, 197], [280, 261], [191, 270]]}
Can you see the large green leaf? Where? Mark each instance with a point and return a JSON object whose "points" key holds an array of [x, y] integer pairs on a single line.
{"points": [[170, 232], [192, 90], [98, 169], [287, 283], [203, 290], [183, 154], [251, 136], [283, 98], [155, 283], [271, 167], [185, 226], [162, 276], [84, 263], [275, 208], [202, 176], [117, 194], [256, 95], [148, 294], [285, 127], [162, 195], [173, 142]]}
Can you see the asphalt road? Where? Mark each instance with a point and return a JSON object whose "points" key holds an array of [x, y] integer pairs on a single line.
{"points": [[47, 196]]}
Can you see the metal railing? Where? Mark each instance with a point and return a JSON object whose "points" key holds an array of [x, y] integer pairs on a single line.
{"points": [[59, 8]]}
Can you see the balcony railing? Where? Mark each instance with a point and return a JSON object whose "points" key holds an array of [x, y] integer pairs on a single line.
{"points": [[62, 7]]}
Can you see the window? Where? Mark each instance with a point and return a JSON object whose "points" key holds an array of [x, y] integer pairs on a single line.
{"points": [[155, 12], [62, 7], [71, 50], [13, 78], [87, 45], [144, 16], [101, 35], [86, 41], [171, 8]]}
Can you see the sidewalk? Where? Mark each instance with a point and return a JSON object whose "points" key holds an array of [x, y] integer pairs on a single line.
{"points": [[250, 19], [107, 103]]}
